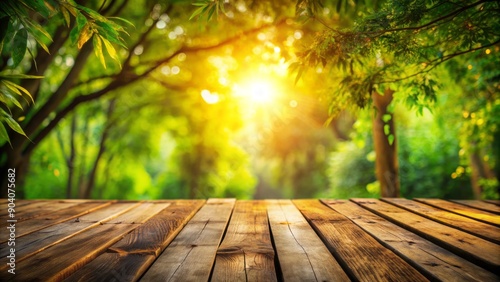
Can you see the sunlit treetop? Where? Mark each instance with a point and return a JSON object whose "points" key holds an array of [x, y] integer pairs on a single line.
{"points": [[401, 42]]}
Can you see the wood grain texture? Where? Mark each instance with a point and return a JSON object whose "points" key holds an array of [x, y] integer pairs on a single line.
{"points": [[130, 257], [363, 257], [42, 239], [61, 260], [246, 253], [474, 227], [301, 240], [35, 209], [475, 249], [301, 253], [191, 255], [495, 202], [473, 213], [20, 207], [59, 216], [480, 205], [433, 261]]}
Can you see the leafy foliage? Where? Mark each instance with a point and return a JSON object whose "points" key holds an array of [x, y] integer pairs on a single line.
{"points": [[163, 119], [401, 43], [19, 27]]}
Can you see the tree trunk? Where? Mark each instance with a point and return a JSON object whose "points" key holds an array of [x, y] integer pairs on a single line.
{"points": [[480, 170], [386, 162], [71, 160], [102, 149]]}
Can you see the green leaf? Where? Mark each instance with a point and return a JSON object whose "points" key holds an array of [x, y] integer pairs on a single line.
{"points": [[3, 132], [70, 8], [19, 46], [97, 42], [34, 27], [13, 124], [17, 89], [81, 20], [39, 6], [20, 76], [66, 16], [110, 33], [6, 97], [197, 12], [111, 51], [91, 13], [211, 12], [123, 20], [85, 34]]}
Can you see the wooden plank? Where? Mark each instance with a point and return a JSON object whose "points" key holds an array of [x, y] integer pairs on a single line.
{"points": [[480, 205], [61, 260], [472, 248], [40, 240], [246, 253], [40, 222], [301, 253], [433, 261], [18, 202], [476, 214], [495, 202], [190, 257], [361, 256], [474, 227], [130, 257], [35, 209]]}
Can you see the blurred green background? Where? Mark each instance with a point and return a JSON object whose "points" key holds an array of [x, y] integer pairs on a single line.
{"points": [[210, 106]]}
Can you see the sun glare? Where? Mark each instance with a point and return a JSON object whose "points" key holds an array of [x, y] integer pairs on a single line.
{"points": [[259, 90]]}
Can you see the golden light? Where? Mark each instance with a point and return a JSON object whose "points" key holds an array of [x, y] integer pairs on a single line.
{"points": [[209, 97], [257, 90]]}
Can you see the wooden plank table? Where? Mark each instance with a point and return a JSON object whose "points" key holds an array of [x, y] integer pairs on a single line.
{"points": [[390, 239]]}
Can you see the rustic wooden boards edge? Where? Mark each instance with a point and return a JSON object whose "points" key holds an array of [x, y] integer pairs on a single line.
{"points": [[61, 260], [474, 249], [42, 239], [362, 257], [301, 254], [191, 255], [246, 252], [481, 205], [131, 256], [299, 240], [473, 213], [432, 260], [477, 228]]}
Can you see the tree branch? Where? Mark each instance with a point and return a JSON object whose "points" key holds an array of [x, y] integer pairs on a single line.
{"points": [[436, 62], [452, 14]]}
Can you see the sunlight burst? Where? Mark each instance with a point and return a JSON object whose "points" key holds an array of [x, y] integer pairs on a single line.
{"points": [[258, 90]]}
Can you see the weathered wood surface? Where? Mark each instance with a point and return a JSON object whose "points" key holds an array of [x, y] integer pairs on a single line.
{"points": [[482, 205], [473, 213], [478, 250], [246, 253], [469, 225], [190, 257], [266, 240], [364, 258], [302, 255]]}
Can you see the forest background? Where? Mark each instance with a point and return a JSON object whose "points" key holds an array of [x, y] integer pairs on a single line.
{"points": [[147, 99]]}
